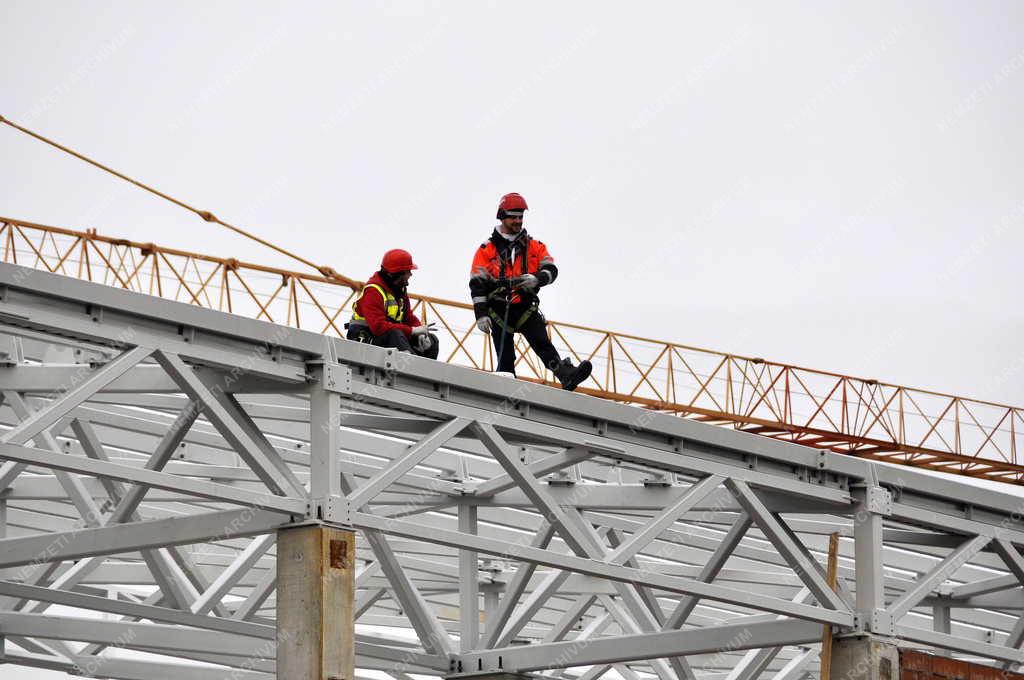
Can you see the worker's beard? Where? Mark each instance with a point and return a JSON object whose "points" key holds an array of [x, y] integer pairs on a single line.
{"points": [[397, 288]]}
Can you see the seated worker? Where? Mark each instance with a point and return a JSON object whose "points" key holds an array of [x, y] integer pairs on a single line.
{"points": [[383, 315], [507, 271]]}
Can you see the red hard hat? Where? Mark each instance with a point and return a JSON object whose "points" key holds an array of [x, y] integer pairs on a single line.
{"points": [[511, 203], [397, 260]]}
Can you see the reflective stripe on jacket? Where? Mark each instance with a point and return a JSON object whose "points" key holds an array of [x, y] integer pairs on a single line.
{"points": [[487, 262], [392, 307], [383, 311], [492, 266]]}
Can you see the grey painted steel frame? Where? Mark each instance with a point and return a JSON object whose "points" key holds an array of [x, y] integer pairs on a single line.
{"points": [[771, 478]]}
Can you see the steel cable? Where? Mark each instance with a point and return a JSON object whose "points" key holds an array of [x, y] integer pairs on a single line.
{"points": [[204, 214]]}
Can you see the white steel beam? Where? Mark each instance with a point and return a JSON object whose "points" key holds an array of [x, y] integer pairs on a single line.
{"points": [[794, 668], [1014, 641], [260, 592], [131, 669], [496, 624], [365, 601], [644, 615], [574, 530], [869, 557], [230, 576], [570, 619], [168, 575], [733, 637], [140, 611], [519, 472], [415, 455], [651, 531], [168, 565], [710, 570], [41, 573], [230, 419], [648, 597], [959, 643], [80, 543], [629, 626], [548, 464], [564, 436], [772, 527], [755, 661], [942, 623], [431, 633], [983, 587], [153, 636], [1012, 557], [939, 573], [165, 448], [72, 485], [591, 567], [152, 328], [159, 480], [73, 397], [525, 612], [403, 658], [661, 544], [324, 437], [469, 585], [142, 379]]}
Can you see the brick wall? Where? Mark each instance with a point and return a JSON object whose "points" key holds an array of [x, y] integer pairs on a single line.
{"points": [[921, 666]]}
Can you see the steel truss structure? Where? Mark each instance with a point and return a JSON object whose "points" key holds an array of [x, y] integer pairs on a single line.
{"points": [[150, 450], [821, 409]]}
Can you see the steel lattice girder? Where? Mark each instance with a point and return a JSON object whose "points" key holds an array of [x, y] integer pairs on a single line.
{"points": [[571, 523], [845, 414]]}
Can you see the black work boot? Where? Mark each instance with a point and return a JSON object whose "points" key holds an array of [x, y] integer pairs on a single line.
{"points": [[571, 376]]}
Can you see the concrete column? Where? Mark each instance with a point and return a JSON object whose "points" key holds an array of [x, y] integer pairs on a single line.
{"points": [[864, 658], [315, 588]]}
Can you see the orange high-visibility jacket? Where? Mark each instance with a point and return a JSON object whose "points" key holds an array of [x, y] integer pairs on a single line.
{"points": [[498, 260]]}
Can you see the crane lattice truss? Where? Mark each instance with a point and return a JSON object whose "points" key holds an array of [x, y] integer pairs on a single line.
{"points": [[819, 409], [151, 450]]}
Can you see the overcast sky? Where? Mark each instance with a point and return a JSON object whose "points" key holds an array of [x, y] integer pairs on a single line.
{"points": [[835, 185]]}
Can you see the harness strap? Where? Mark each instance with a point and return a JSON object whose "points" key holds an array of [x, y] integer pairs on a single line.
{"points": [[514, 327]]}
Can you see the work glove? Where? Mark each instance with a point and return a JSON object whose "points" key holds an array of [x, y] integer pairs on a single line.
{"points": [[423, 342], [422, 330], [527, 282], [484, 324]]}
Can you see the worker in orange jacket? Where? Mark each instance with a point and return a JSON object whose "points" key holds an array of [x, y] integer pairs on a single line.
{"points": [[508, 270], [383, 314]]}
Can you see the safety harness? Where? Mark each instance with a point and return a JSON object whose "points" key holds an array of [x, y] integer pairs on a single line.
{"points": [[505, 291]]}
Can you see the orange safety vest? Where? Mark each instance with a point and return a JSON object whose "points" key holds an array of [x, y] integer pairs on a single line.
{"points": [[488, 264]]}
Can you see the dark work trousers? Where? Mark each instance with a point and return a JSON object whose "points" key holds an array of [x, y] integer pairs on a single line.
{"points": [[536, 333], [396, 338]]}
